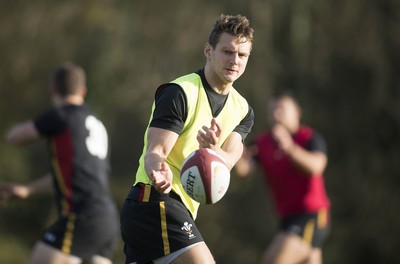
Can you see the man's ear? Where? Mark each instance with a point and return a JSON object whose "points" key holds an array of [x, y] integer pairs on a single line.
{"points": [[84, 91], [207, 50], [299, 113]]}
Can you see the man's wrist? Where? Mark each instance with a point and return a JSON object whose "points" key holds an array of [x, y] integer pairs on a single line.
{"points": [[291, 149]]}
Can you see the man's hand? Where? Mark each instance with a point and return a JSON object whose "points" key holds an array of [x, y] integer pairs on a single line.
{"points": [[208, 137], [283, 138], [11, 191], [162, 179]]}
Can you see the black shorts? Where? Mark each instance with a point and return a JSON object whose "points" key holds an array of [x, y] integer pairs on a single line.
{"points": [[154, 225], [85, 234], [314, 228]]}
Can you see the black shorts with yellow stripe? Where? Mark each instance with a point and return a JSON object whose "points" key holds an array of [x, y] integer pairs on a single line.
{"points": [[154, 225], [85, 234], [314, 228]]}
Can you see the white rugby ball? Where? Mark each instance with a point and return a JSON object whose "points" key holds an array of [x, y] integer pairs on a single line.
{"points": [[205, 176]]}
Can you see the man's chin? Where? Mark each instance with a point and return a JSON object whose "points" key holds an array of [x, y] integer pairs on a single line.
{"points": [[231, 78]]}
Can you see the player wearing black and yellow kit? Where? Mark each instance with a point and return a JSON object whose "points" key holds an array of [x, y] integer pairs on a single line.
{"points": [[200, 109], [87, 227]]}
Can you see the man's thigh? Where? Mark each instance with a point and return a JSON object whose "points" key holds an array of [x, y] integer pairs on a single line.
{"points": [[83, 235], [287, 248], [199, 253]]}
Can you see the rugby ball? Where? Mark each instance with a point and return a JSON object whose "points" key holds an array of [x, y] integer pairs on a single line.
{"points": [[205, 176]]}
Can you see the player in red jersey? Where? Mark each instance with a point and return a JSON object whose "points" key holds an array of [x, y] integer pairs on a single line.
{"points": [[293, 157]]}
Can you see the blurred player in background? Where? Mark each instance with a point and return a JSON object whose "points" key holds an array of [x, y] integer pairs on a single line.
{"points": [[293, 157], [201, 109], [87, 228]]}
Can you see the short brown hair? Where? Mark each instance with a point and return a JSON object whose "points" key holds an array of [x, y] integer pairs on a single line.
{"points": [[68, 78], [286, 93], [238, 26]]}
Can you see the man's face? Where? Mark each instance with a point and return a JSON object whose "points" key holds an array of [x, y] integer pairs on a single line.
{"points": [[228, 60], [284, 111]]}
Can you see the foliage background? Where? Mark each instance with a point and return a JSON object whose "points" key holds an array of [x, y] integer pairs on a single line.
{"points": [[341, 57]]}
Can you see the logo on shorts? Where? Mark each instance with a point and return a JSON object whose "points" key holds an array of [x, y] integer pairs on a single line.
{"points": [[188, 229], [295, 229], [49, 237]]}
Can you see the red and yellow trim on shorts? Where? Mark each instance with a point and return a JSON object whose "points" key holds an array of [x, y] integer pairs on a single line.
{"points": [[322, 222], [69, 234], [144, 196], [164, 231], [145, 191]]}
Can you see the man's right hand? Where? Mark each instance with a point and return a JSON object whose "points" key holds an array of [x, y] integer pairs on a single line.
{"points": [[162, 179]]}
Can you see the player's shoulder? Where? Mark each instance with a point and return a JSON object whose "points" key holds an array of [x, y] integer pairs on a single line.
{"points": [[168, 90], [311, 132]]}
